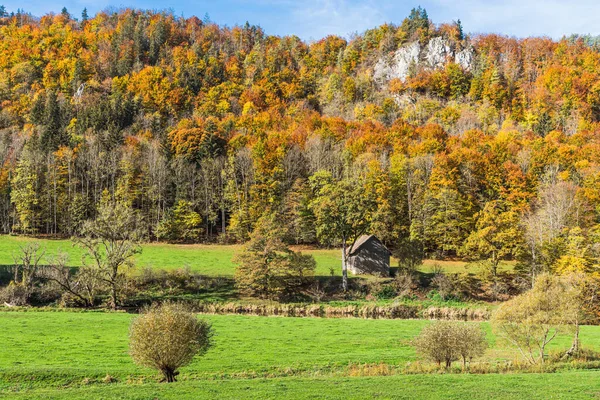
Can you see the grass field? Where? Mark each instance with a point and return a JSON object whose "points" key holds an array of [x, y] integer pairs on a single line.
{"points": [[210, 260], [570, 385], [67, 354]]}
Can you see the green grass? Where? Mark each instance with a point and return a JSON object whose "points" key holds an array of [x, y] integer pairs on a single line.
{"points": [[206, 259], [90, 344], [56, 354], [570, 385], [212, 260]]}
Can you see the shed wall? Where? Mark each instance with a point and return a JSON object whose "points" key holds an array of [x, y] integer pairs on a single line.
{"points": [[372, 258]]}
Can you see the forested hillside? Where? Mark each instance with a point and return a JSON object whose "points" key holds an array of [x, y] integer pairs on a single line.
{"points": [[479, 146]]}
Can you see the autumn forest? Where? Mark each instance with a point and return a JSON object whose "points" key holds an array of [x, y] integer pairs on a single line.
{"points": [[203, 129]]}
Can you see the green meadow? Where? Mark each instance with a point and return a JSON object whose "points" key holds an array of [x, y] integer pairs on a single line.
{"points": [[84, 355], [207, 259], [569, 385]]}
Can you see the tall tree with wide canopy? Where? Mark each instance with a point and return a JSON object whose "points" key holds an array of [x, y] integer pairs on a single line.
{"points": [[496, 237], [343, 210]]}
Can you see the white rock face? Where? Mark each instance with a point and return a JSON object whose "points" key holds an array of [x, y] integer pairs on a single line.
{"points": [[464, 58], [435, 55], [399, 65]]}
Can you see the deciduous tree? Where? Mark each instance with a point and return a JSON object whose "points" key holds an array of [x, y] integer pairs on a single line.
{"points": [[267, 268], [532, 320], [497, 236], [343, 211], [110, 241]]}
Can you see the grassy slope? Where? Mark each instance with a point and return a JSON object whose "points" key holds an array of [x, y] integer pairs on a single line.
{"points": [[206, 259], [50, 354]]}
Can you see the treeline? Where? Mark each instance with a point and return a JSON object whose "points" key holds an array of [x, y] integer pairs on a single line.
{"points": [[204, 129]]}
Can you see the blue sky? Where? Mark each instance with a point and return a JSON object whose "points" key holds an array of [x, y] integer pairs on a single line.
{"points": [[313, 19]]}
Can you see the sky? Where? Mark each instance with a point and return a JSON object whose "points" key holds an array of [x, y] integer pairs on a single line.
{"points": [[314, 19]]}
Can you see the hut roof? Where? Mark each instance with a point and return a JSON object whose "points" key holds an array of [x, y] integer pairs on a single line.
{"points": [[361, 241]]}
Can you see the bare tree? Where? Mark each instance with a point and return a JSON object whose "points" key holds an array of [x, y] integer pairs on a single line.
{"points": [[294, 166], [83, 284], [325, 154], [557, 208], [157, 179], [111, 241], [26, 268]]}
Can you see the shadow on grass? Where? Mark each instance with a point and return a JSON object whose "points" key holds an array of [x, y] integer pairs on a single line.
{"points": [[6, 274], [206, 289]]}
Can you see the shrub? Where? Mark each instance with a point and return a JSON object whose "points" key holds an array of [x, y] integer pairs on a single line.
{"points": [[316, 292], [78, 289], [15, 295], [471, 342], [443, 285], [386, 292], [438, 297], [436, 343], [465, 285], [405, 283], [446, 341], [168, 337]]}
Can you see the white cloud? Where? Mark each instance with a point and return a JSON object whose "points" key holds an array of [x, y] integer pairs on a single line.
{"points": [[317, 19], [520, 18], [555, 18]]}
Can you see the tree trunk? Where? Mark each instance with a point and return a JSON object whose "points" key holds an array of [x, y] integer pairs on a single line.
{"points": [[344, 266], [533, 264], [170, 375], [223, 222], [543, 351], [575, 345], [113, 295], [495, 262]]}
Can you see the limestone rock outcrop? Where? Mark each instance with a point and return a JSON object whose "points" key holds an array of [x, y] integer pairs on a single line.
{"points": [[436, 54]]}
